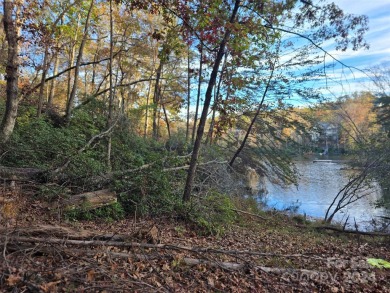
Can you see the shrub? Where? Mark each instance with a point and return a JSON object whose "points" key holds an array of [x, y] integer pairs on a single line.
{"points": [[213, 213], [111, 212], [148, 192]]}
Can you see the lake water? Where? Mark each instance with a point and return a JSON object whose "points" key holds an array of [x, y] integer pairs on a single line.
{"points": [[318, 185]]}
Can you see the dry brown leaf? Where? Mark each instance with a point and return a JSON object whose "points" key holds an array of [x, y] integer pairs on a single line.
{"points": [[211, 281], [49, 287], [165, 267], [12, 280], [90, 275]]}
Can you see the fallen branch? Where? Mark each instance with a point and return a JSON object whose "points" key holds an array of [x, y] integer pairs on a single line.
{"points": [[124, 244], [250, 214], [352, 231], [109, 176], [238, 266], [19, 174]]}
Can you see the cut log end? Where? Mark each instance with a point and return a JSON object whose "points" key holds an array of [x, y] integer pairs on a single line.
{"points": [[91, 200]]}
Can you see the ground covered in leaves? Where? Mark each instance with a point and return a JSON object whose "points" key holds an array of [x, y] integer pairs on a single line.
{"points": [[46, 254]]}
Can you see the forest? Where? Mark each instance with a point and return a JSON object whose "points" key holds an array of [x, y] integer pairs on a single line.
{"points": [[127, 125]]}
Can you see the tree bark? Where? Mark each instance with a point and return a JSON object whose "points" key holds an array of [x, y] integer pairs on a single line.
{"points": [[209, 138], [91, 200], [71, 59], [53, 83], [43, 78], [166, 121], [12, 36], [198, 95], [111, 93], [156, 100], [188, 94], [69, 106], [203, 118]]}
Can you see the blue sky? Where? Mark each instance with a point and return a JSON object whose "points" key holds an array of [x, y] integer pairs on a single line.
{"points": [[378, 37]]}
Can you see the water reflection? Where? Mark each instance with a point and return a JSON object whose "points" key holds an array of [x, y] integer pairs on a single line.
{"points": [[318, 185]]}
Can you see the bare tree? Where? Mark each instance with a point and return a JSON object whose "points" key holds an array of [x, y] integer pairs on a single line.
{"points": [[357, 188]]}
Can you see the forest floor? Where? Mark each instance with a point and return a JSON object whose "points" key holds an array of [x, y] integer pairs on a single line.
{"points": [[42, 253]]}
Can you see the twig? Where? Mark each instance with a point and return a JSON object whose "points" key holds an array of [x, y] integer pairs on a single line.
{"points": [[250, 214]]}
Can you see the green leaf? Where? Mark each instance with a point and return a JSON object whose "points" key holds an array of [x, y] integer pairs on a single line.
{"points": [[379, 263]]}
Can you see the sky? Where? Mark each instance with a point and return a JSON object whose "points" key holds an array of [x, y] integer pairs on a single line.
{"points": [[378, 37]]}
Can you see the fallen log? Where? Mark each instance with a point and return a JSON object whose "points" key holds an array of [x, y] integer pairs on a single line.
{"points": [[19, 174], [46, 231], [91, 200], [238, 266]]}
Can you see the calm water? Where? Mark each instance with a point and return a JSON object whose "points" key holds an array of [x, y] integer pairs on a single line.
{"points": [[319, 184]]}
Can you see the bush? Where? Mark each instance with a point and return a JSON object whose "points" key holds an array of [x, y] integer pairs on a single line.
{"points": [[148, 192], [213, 213], [111, 212], [52, 192]]}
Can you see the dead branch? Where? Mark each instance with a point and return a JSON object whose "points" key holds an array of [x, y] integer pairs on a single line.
{"points": [[378, 234], [239, 266], [110, 175], [128, 245], [185, 167], [250, 214], [19, 174]]}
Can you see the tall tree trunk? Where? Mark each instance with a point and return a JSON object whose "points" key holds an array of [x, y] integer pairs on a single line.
{"points": [[94, 66], [166, 121], [12, 36], [43, 78], [53, 83], [198, 95], [147, 110], [236, 154], [69, 106], [209, 138], [111, 94], [72, 57], [207, 100], [156, 100], [148, 97], [188, 94]]}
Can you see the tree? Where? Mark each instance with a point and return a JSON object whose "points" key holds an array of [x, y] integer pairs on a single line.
{"points": [[207, 100], [11, 22], [72, 95], [253, 25]]}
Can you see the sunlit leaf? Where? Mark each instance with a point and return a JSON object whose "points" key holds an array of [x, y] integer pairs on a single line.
{"points": [[379, 263]]}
